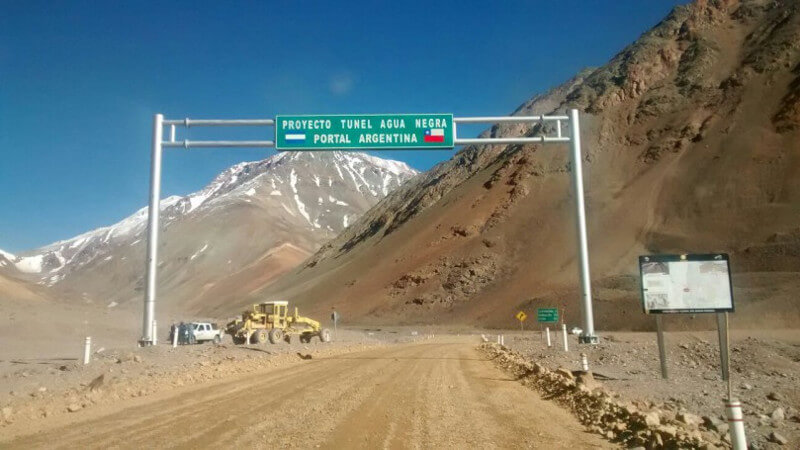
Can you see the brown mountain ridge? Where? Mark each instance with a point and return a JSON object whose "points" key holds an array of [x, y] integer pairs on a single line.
{"points": [[690, 141]]}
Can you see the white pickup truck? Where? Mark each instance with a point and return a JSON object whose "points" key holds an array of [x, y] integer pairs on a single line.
{"points": [[204, 332]]}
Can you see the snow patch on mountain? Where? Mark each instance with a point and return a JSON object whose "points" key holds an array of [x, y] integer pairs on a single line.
{"points": [[30, 264], [197, 253], [300, 205]]}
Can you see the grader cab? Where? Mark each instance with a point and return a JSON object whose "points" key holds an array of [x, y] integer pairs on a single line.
{"points": [[271, 321]]}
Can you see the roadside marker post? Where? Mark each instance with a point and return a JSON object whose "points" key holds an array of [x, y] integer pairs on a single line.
{"points": [[87, 350], [733, 411], [564, 334], [368, 132], [174, 336], [547, 316]]}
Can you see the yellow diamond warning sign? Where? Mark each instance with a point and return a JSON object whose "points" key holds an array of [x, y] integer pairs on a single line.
{"points": [[521, 316]]}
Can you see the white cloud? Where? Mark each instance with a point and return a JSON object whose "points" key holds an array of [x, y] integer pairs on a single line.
{"points": [[341, 83]]}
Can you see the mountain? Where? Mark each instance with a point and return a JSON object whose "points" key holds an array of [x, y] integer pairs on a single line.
{"points": [[251, 223], [691, 141]]}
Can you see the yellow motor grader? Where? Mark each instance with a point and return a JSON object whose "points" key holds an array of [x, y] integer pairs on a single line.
{"points": [[271, 321]]}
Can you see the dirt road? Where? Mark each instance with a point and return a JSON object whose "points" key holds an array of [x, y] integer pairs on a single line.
{"points": [[433, 394]]}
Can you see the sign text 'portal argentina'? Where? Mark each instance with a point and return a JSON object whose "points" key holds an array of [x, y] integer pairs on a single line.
{"points": [[364, 131]]}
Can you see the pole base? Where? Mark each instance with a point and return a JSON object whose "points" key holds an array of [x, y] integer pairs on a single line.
{"points": [[145, 343], [587, 339]]}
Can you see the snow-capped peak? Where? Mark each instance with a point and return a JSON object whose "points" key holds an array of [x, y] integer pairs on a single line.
{"points": [[320, 191]]}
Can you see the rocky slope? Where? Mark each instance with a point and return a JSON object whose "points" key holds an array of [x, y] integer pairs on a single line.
{"points": [[690, 137], [253, 222]]}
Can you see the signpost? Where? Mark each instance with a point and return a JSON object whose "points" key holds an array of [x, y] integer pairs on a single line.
{"points": [[370, 132], [521, 316], [547, 315], [335, 319], [688, 284], [364, 131]]}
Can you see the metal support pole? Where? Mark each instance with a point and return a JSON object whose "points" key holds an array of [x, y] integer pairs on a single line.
{"points": [[588, 336], [722, 331], [662, 350], [152, 232], [155, 332]]}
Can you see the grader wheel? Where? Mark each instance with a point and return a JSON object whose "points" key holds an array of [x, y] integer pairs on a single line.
{"points": [[275, 335], [325, 335], [260, 337]]}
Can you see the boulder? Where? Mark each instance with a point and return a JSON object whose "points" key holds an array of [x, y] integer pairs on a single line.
{"points": [[689, 419], [652, 419], [565, 373], [774, 396], [778, 439]]}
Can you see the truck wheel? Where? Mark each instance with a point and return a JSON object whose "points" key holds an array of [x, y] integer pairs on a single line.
{"points": [[275, 335], [238, 340], [325, 335], [260, 336], [217, 339]]}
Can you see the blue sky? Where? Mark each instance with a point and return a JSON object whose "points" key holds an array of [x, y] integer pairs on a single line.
{"points": [[80, 82]]}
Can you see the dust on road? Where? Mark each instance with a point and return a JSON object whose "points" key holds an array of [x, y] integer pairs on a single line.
{"points": [[435, 394]]}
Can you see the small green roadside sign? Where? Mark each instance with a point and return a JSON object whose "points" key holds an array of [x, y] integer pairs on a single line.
{"points": [[364, 131], [547, 315]]}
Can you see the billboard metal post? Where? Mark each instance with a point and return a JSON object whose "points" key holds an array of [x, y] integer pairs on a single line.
{"points": [[152, 232], [662, 350], [724, 351], [588, 336]]}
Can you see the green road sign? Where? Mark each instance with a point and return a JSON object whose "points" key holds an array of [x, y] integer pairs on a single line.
{"points": [[547, 315], [364, 131]]}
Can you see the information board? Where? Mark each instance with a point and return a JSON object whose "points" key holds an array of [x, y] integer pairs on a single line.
{"points": [[547, 315], [686, 283], [364, 131]]}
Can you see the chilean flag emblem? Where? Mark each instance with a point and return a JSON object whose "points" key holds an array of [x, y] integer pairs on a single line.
{"points": [[434, 135]]}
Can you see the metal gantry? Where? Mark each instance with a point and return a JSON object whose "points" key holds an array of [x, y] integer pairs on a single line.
{"points": [[588, 335]]}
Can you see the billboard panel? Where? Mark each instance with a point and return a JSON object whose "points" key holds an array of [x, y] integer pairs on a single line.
{"points": [[686, 283]]}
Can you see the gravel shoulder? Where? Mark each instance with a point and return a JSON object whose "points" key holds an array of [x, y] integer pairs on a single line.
{"points": [[765, 372]]}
